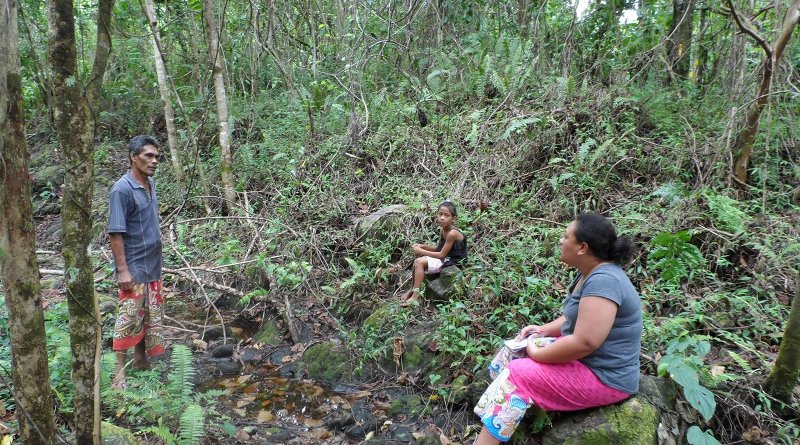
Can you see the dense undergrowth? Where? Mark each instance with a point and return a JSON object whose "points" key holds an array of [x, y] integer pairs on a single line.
{"points": [[521, 147], [716, 267]]}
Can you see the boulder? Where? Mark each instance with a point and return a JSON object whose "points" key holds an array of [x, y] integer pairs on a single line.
{"points": [[327, 361], [380, 224], [639, 420], [114, 435], [441, 287]]}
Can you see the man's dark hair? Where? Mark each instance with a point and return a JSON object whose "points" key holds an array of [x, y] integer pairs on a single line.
{"points": [[599, 234], [449, 206], [137, 143]]}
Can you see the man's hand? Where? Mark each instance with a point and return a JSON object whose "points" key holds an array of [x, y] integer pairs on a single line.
{"points": [[124, 280]]}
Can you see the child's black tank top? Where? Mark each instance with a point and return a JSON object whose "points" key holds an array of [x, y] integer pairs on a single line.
{"points": [[457, 253]]}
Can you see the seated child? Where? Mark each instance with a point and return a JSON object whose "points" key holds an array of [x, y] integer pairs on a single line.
{"points": [[451, 248]]}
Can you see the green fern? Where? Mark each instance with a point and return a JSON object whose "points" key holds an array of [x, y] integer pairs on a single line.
{"points": [[180, 379], [674, 257], [192, 425], [162, 432], [725, 212], [517, 125]]}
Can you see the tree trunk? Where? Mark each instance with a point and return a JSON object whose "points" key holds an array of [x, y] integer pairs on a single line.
{"points": [[785, 373], [75, 131], [101, 54], [743, 147], [17, 244], [679, 41], [163, 89], [226, 158]]}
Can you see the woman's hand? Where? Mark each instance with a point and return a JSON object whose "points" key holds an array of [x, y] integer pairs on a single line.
{"points": [[529, 331]]}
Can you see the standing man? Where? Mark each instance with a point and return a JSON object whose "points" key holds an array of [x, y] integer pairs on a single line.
{"points": [[135, 236]]}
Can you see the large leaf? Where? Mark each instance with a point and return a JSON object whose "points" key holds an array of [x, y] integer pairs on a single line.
{"points": [[683, 375], [696, 436], [701, 399]]}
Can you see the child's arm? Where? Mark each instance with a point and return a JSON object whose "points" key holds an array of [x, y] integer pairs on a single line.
{"points": [[452, 237]]}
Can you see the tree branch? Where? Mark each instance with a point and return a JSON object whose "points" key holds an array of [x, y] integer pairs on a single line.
{"points": [[747, 28]]}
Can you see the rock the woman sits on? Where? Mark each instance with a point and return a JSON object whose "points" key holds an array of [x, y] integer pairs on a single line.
{"points": [[594, 360]]}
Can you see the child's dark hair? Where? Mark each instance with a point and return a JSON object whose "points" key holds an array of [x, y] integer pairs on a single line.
{"points": [[449, 206], [599, 234]]}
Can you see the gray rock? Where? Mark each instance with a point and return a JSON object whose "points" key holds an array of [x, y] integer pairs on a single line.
{"points": [[379, 224], [444, 286], [229, 367], [222, 351]]}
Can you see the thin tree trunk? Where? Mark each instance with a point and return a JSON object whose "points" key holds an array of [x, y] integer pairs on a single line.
{"points": [[679, 41], [786, 371], [226, 158], [163, 89], [75, 130], [743, 147], [17, 244], [101, 54]]}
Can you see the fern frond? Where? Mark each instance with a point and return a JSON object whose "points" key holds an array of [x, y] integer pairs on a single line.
{"points": [[192, 425], [180, 379], [163, 433]]}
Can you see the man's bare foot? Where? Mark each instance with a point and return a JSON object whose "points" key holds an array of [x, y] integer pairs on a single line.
{"points": [[119, 381], [405, 296], [142, 364]]}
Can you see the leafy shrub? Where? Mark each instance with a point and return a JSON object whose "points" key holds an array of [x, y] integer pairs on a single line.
{"points": [[673, 257]]}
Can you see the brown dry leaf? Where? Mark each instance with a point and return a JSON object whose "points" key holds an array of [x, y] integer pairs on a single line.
{"points": [[200, 344], [264, 416], [240, 412], [313, 423], [244, 401], [242, 436], [443, 439], [287, 358], [298, 347], [397, 350], [359, 395], [237, 331], [244, 378], [717, 370]]}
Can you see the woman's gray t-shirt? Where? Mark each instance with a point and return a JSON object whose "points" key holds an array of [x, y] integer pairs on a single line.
{"points": [[616, 361]]}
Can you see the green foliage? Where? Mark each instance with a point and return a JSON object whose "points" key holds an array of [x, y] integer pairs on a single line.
{"points": [[177, 409], [696, 436], [683, 362], [674, 257], [726, 212]]}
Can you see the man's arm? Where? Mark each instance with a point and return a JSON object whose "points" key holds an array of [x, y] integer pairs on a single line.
{"points": [[124, 277]]}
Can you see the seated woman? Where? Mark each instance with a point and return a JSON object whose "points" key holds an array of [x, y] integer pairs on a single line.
{"points": [[594, 360]]}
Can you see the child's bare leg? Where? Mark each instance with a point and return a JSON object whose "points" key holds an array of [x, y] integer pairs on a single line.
{"points": [[420, 265]]}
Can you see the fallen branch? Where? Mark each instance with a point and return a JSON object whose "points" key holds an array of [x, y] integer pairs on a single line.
{"points": [[220, 287]]}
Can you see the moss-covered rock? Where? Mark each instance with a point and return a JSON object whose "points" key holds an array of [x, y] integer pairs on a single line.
{"points": [[269, 333], [408, 405], [449, 283], [329, 362], [636, 421], [114, 435]]}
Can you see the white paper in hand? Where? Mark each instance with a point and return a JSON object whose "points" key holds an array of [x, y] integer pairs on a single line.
{"points": [[539, 342]]}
